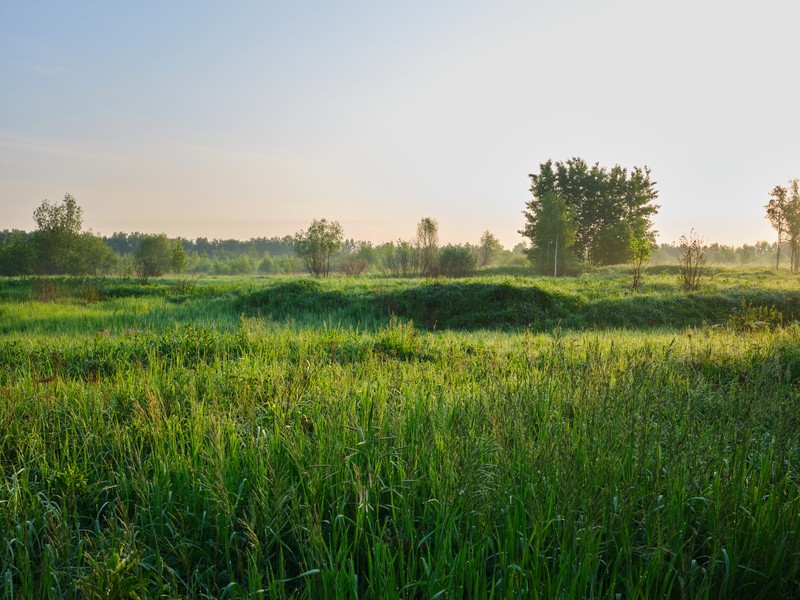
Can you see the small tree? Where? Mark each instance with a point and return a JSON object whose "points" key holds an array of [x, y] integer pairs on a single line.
{"points": [[316, 246], [153, 257], [58, 227], [400, 258], [489, 247], [640, 250], [776, 214], [178, 257], [427, 246], [691, 258]]}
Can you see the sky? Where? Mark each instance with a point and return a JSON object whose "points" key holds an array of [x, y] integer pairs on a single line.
{"points": [[246, 119]]}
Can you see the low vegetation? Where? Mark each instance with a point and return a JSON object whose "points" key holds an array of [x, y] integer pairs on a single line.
{"points": [[488, 437]]}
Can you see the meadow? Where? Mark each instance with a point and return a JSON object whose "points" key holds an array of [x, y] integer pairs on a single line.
{"points": [[501, 437]]}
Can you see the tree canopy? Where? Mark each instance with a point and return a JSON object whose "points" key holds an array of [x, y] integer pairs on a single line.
{"points": [[316, 245], [58, 227], [153, 257], [610, 206]]}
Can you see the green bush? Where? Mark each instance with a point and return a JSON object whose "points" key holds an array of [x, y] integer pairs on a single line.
{"points": [[457, 261]]}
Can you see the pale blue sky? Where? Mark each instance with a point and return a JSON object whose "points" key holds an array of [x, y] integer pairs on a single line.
{"points": [[242, 119]]}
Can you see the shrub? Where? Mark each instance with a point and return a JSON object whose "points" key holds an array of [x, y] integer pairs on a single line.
{"points": [[640, 255], [691, 258], [353, 265], [457, 261]]}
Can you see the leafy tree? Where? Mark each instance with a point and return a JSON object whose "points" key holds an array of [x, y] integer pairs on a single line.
{"points": [[93, 256], [17, 254], [316, 246], [489, 247], [178, 257], [153, 257], [400, 258], [457, 261], [552, 235], [601, 199], [777, 208], [58, 227], [427, 245]]}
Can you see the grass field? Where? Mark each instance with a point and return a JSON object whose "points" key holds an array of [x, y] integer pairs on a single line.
{"points": [[494, 437]]}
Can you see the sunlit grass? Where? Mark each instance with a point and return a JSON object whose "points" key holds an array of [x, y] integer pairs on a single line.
{"points": [[197, 448]]}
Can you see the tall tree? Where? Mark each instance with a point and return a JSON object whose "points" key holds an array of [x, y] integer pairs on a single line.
{"points": [[601, 199], [793, 223], [316, 245], [58, 227], [553, 236], [776, 214]]}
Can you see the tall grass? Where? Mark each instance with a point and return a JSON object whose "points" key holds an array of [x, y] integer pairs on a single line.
{"points": [[198, 449]]}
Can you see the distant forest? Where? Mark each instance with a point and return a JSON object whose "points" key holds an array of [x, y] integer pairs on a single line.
{"points": [[276, 255]]}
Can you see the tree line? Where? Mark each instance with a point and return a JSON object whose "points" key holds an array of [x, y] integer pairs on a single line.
{"points": [[579, 216], [60, 246]]}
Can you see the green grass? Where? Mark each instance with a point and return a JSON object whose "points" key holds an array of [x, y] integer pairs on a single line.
{"points": [[268, 438]]}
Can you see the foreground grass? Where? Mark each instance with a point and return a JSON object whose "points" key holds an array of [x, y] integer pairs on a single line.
{"points": [[236, 456]]}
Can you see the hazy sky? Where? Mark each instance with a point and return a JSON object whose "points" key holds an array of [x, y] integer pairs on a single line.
{"points": [[242, 119]]}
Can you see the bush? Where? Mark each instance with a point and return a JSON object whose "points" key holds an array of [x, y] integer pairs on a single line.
{"points": [[353, 265], [267, 265], [457, 261]]}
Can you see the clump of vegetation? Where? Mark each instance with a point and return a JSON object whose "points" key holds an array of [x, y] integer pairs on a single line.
{"points": [[750, 317], [457, 261], [691, 258], [353, 265]]}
